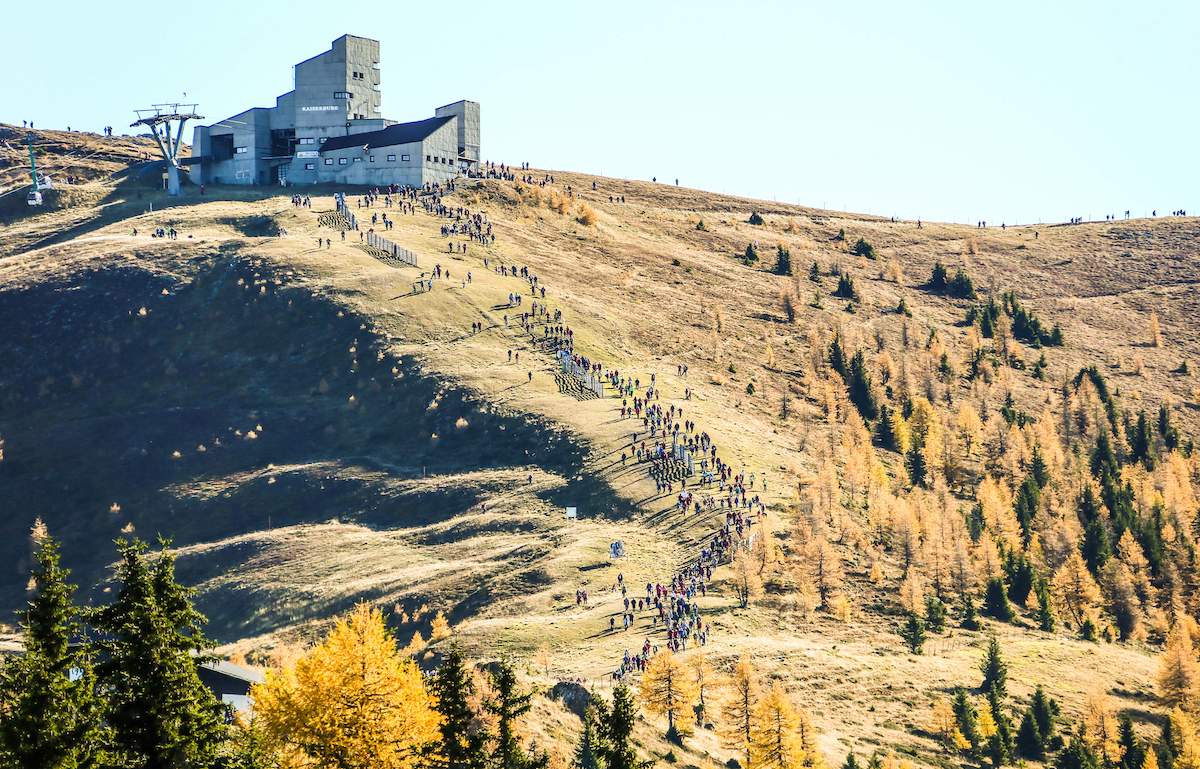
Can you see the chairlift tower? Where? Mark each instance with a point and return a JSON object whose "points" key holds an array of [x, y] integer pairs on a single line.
{"points": [[166, 122], [34, 198]]}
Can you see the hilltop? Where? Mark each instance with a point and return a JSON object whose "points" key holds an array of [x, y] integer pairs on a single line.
{"points": [[310, 430]]}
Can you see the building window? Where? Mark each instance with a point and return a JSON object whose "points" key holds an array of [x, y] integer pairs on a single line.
{"points": [[240, 150], [359, 160], [310, 166], [391, 158], [328, 161], [371, 158], [428, 159], [323, 138], [344, 95], [403, 158], [341, 161], [308, 140]]}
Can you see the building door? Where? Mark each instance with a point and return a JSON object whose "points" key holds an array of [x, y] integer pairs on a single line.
{"points": [[281, 172]]}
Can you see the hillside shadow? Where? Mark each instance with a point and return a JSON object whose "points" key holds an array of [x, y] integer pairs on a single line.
{"points": [[233, 404]]}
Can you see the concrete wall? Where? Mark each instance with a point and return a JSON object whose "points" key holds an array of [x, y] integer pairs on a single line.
{"points": [[350, 67], [467, 113], [251, 130], [431, 160]]}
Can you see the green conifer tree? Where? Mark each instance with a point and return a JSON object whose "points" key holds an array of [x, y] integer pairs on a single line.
{"points": [[462, 742], [935, 614], [1045, 610], [619, 750], [994, 669], [160, 713], [970, 618], [590, 752], [995, 600], [965, 717], [913, 632], [49, 715], [508, 704]]}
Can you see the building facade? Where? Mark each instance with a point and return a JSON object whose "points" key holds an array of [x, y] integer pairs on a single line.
{"points": [[328, 129]]}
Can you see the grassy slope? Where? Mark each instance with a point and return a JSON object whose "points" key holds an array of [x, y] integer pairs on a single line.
{"points": [[352, 515]]}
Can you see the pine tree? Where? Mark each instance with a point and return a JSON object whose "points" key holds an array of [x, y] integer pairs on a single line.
{"points": [[939, 279], [913, 632], [935, 614], [160, 713], [1000, 743], [1132, 751], [884, 433], [846, 288], [49, 718], [1044, 710], [863, 248], [462, 741], [1021, 577], [590, 753], [783, 261], [784, 737], [837, 356], [618, 750], [1045, 611], [965, 717], [995, 600], [994, 669], [862, 394], [1030, 743], [1097, 545], [508, 705], [851, 762], [970, 618], [1026, 505], [1077, 755], [249, 747], [814, 273]]}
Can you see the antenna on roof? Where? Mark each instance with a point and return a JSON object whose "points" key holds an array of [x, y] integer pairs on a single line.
{"points": [[159, 119]]}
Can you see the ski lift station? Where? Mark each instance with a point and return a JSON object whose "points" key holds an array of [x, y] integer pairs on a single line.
{"points": [[328, 129]]}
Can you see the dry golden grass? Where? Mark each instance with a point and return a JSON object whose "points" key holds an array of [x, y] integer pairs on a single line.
{"points": [[645, 292]]}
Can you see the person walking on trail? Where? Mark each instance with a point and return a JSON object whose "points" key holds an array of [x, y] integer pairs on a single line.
{"points": [[530, 376]]}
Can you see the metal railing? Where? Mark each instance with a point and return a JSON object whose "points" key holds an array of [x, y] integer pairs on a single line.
{"points": [[398, 253], [394, 251]]}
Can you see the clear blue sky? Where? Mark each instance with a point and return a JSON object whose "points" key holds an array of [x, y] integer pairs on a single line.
{"points": [[1014, 111]]}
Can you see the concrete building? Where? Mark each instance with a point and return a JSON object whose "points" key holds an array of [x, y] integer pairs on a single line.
{"points": [[328, 129]]}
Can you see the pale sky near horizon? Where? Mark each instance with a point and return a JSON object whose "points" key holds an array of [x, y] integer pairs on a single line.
{"points": [[1015, 111]]}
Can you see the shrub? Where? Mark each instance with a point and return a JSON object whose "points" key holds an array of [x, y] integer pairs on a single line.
{"points": [[586, 215], [863, 248], [846, 288], [1027, 327], [750, 257], [959, 286], [756, 219], [783, 261]]}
